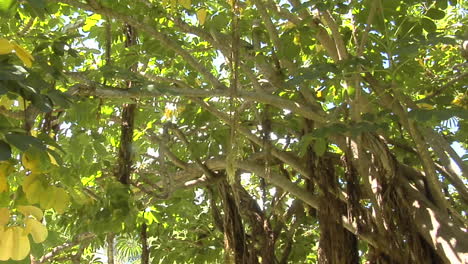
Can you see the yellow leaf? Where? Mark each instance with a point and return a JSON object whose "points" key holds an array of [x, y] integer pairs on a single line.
{"points": [[23, 55], [36, 160], [5, 46], [47, 198], [318, 47], [297, 39], [4, 216], [461, 100], [6, 168], [53, 161], [319, 94], [91, 21], [289, 25], [21, 244], [3, 184], [62, 200], [37, 230], [29, 180], [34, 192], [187, 4], [421, 63], [201, 15], [6, 244], [425, 106], [168, 113], [28, 210], [5, 101]]}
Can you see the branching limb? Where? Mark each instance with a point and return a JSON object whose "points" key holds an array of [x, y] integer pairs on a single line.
{"points": [[171, 156], [283, 156], [150, 29], [307, 111], [340, 45], [65, 246], [322, 35], [272, 32]]}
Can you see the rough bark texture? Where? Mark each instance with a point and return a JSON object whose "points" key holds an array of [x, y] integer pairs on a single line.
{"points": [[234, 234], [144, 244], [110, 248], [128, 118], [337, 245]]}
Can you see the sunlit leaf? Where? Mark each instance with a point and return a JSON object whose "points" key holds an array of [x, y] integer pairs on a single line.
{"points": [[187, 4], [4, 216], [29, 210], [21, 244], [37, 230], [5, 46], [201, 15], [24, 55], [62, 200]]}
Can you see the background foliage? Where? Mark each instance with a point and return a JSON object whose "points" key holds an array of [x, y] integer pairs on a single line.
{"points": [[319, 111]]}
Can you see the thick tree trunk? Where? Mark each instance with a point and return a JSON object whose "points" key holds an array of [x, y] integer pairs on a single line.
{"points": [[236, 251], [337, 245], [261, 235]]}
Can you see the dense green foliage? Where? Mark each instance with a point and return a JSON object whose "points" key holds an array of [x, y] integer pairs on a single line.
{"points": [[261, 128]]}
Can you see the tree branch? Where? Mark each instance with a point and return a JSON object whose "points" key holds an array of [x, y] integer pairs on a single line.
{"points": [[150, 29], [11, 114], [59, 249], [340, 46], [309, 112]]}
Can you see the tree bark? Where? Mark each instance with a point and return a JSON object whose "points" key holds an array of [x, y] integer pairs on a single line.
{"points": [[337, 245], [144, 245], [110, 248]]}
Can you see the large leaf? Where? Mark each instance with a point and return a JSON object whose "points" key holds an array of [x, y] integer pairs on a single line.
{"points": [[435, 13], [23, 141], [5, 150], [12, 72]]}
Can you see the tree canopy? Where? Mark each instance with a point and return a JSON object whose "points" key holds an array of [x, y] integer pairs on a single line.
{"points": [[238, 131]]}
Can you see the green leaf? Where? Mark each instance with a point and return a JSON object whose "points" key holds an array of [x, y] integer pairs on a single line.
{"points": [[12, 72], [306, 140], [435, 14], [320, 146], [61, 99], [288, 49], [5, 150], [23, 141], [6, 6], [56, 156], [421, 115], [428, 24], [38, 6], [37, 249]]}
